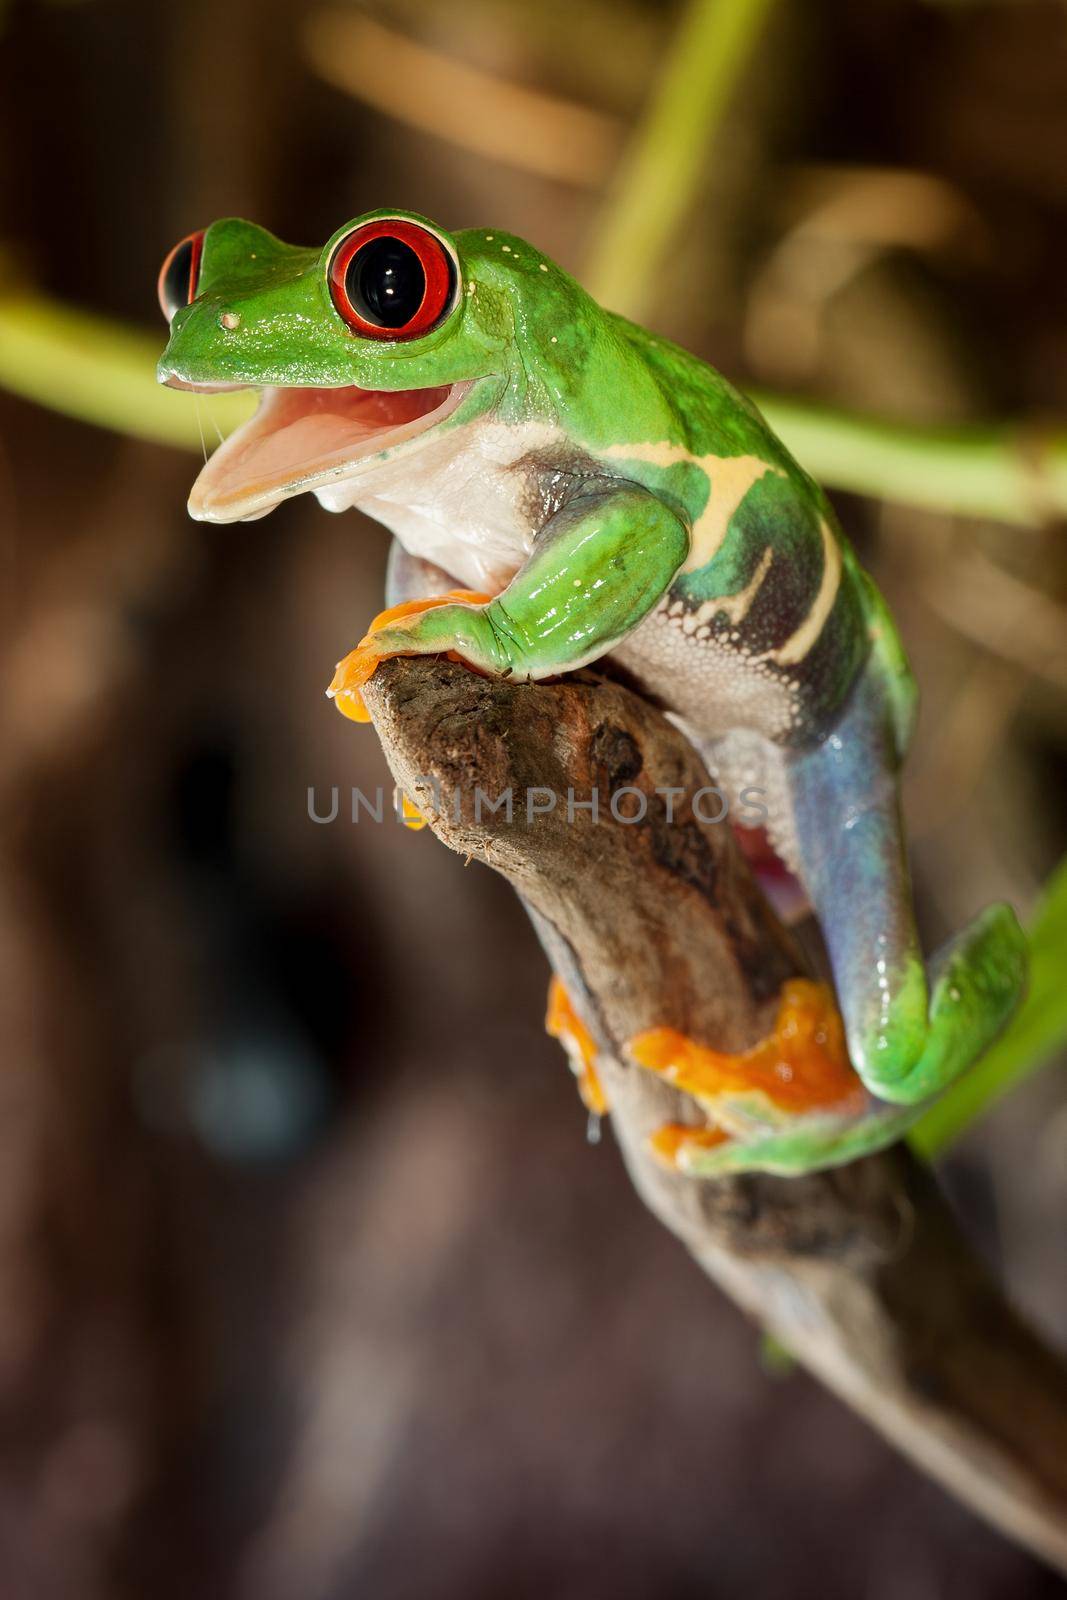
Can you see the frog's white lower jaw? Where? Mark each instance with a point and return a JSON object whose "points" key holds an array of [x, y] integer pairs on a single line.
{"points": [[305, 439]]}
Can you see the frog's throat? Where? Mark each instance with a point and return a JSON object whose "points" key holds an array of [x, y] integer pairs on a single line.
{"points": [[309, 438]]}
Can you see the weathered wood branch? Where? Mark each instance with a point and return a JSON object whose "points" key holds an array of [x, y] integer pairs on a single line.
{"points": [[861, 1271]]}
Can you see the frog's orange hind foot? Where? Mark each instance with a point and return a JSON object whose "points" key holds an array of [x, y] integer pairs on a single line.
{"points": [[801, 1066], [671, 1143], [359, 665], [562, 1022]]}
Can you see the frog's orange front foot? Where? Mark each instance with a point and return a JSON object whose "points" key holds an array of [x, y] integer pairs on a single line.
{"points": [[360, 664], [562, 1022]]}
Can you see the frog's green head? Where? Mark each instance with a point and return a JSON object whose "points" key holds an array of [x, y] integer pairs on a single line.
{"points": [[361, 350]]}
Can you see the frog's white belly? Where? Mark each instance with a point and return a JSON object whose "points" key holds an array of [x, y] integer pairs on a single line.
{"points": [[461, 503], [457, 500]]}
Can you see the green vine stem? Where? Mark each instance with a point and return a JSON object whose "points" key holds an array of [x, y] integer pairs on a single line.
{"points": [[1035, 1033], [104, 373], [1006, 472], [658, 175]]}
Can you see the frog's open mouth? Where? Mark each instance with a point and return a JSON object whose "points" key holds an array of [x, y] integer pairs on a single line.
{"points": [[309, 439]]}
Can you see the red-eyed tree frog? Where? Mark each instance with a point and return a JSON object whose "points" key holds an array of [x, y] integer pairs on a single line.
{"points": [[592, 490]]}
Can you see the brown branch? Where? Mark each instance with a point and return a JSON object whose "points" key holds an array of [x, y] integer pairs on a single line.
{"points": [[861, 1271]]}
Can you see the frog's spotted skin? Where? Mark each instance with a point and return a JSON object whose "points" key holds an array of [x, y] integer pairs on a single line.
{"points": [[615, 496]]}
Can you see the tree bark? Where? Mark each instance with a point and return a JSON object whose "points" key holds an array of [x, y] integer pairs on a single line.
{"points": [[860, 1271]]}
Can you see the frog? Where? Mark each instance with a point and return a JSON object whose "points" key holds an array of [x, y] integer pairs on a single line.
{"points": [[566, 487]]}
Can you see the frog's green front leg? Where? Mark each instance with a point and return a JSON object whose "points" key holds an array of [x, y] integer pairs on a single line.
{"points": [[597, 568]]}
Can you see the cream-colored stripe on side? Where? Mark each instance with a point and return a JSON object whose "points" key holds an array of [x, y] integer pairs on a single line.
{"points": [[729, 480], [737, 606]]}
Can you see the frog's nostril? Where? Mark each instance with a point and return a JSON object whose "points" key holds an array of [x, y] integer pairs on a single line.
{"points": [[230, 319]]}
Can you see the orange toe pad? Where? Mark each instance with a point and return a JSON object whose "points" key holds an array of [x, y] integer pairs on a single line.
{"points": [[673, 1137], [359, 665], [563, 1023]]}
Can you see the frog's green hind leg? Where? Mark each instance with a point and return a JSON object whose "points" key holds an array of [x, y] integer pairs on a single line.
{"points": [[596, 569], [906, 1042]]}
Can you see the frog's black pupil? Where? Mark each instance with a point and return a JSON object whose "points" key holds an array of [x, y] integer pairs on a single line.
{"points": [[177, 280], [386, 283]]}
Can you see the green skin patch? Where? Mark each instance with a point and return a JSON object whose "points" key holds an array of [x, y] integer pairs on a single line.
{"points": [[613, 494]]}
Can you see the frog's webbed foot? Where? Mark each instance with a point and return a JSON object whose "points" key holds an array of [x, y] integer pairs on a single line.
{"points": [[791, 1103], [398, 631]]}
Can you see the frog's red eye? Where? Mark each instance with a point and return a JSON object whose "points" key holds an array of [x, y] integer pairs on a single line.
{"points": [[179, 275], [391, 279]]}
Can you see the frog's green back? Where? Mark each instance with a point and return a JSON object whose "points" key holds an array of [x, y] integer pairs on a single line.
{"points": [[770, 572], [769, 560]]}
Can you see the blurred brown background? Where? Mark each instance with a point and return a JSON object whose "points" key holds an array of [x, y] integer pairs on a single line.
{"points": [[310, 1286]]}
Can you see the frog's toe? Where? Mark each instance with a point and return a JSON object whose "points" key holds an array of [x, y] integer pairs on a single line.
{"points": [[800, 1067], [678, 1145], [348, 680], [562, 1022], [385, 637], [790, 1104]]}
